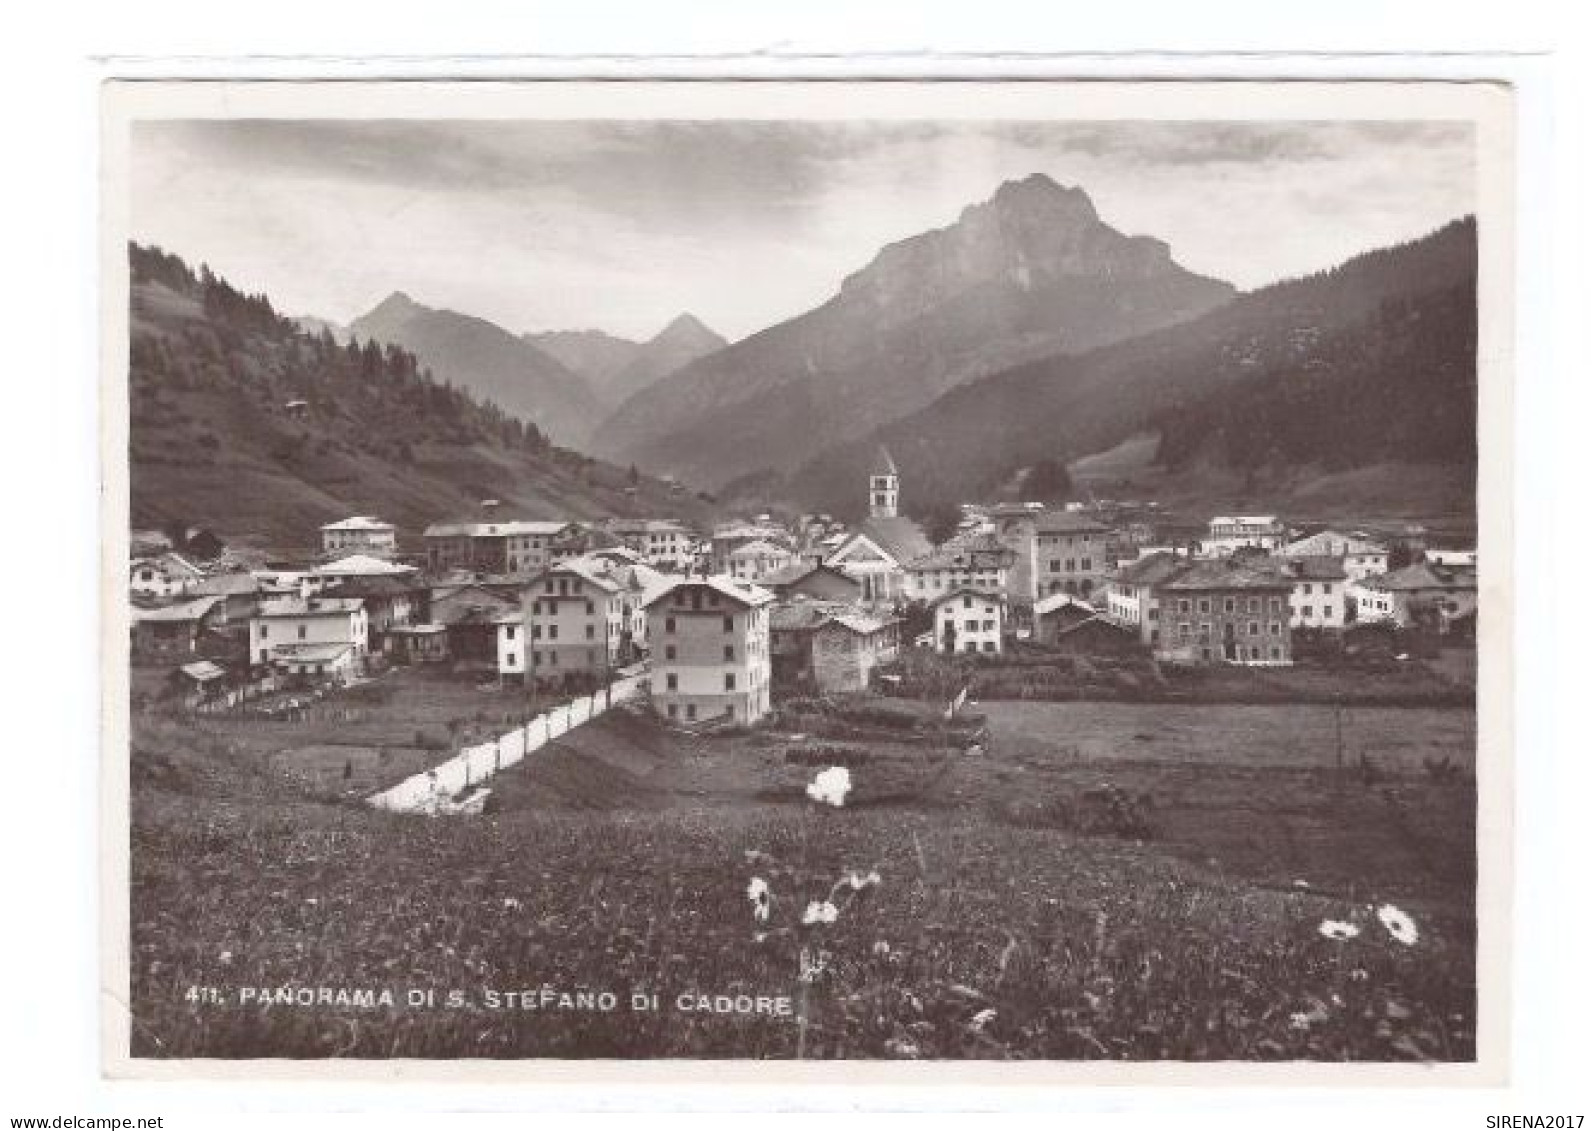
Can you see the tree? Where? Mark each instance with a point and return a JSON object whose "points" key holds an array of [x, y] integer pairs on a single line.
{"points": [[1049, 479]]}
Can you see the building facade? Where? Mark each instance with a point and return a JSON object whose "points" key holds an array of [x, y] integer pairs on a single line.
{"points": [[972, 561], [1360, 557], [360, 534], [1229, 533], [1133, 593], [575, 620], [1071, 554], [709, 642], [969, 620], [1225, 612], [1318, 591], [286, 626]]}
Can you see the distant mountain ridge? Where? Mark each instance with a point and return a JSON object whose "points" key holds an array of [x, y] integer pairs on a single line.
{"points": [[1371, 362], [617, 368], [1031, 272], [490, 362], [250, 424]]}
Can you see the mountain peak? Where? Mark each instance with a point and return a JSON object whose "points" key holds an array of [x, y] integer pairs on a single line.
{"points": [[397, 303], [688, 329], [1039, 188]]}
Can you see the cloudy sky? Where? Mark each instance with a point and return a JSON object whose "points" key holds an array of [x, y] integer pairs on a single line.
{"points": [[621, 226]]}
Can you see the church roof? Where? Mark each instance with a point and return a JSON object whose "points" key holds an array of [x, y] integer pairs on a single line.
{"points": [[883, 464], [898, 536]]}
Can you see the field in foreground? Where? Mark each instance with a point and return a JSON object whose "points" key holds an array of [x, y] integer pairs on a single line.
{"points": [[980, 919]]}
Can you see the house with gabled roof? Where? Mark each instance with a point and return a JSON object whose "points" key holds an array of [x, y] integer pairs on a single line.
{"points": [[975, 559], [1361, 557], [1132, 597], [572, 621], [1225, 611], [969, 620], [162, 576], [709, 645], [827, 646], [814, 581], [1071, 553], [321, 635], [359, 534], [1422, 594]]}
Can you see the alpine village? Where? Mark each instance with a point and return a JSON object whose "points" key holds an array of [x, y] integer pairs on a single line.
{"points": [[1110, 631]]}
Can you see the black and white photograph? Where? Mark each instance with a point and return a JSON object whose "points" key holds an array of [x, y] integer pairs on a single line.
{"points": [[995, 574]]}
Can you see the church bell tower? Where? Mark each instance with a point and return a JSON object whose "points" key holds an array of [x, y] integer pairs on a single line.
{"points": [[884, 486]]}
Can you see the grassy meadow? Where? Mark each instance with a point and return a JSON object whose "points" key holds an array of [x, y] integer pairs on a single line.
{"points": [[998, 904]]}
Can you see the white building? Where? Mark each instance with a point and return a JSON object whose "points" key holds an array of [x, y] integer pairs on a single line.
{"points": [[359, 534], [971, 560], [359, 567], [285, 629], [664, 543], [1227, 534], [752, 560], [709, 643], [969, 620], [1360, 557], [1318, 597], [166, 575], [573, 620]]}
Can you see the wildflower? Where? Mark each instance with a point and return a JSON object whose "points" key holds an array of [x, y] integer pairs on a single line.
{"points": [[512, 904], [830, 786], [759, 895], [1338, 931], [904, 1050], [981, 1020], [1399, 923], [857, 881], [882, 949], [225, 957], [820, 912]]}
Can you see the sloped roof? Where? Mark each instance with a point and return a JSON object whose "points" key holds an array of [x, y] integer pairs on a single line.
{"points": [[1153, 569], [757, 547], [176, 563], [203, 671], [883, 464], [227, 585], [742, 592], [494, 529], [382, 585], [1331, 542], [1067, 522], [1311, 567], [1424, 575], [900, 537], [362, 565], [309, 653], [309, 607], [359, 522], [1057, 602], [967, 590], [1213, 573], [177, 614], [962, 551]]}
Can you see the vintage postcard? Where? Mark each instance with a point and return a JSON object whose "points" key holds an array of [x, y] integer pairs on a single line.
{"points": [[913, 581]]}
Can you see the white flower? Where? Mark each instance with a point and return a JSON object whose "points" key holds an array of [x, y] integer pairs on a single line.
{"points": [[820, 912], [831, 786], [226, 956], [981, 1020], [1338, 931], [759, 895], [857, 881], [882, 949], [1399, 923], [512, 904]]}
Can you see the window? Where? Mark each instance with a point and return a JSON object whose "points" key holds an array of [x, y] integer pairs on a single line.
{"points": [[692, 711], [1053, 566], [1329, 612], [969, 646], [729, 653], [989, 647], [302, 632], [1252, 604], [1252, 628], [1274, 653], [670, 681], [509, 632], [509, 660], [1184, 605], [672, 710], [670, 624], [1327, 587], [670, 651], [554, 632], [1230, 604], [731, 681], [590, 632], [265, 631], [1274, 628], [554, 658], [590, 608], [967, 602], [972, 625]]}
